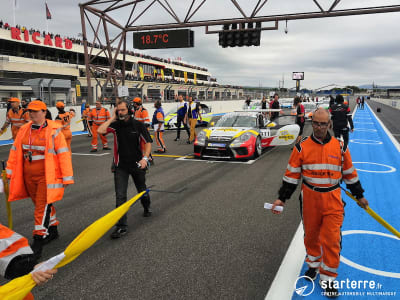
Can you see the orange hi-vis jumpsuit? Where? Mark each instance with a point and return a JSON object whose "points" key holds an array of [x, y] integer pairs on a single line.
{"points": [[65, 121], [85, 117], [98, 117], [142, 115], [321, 165], [39, 166], [12, 245], [16, 119]]}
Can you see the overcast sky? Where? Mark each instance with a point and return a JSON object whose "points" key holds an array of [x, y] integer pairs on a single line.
{"points": [[352, 50]]}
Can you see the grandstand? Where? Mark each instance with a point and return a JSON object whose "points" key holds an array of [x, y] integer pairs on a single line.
{"points": [[31, 60]]}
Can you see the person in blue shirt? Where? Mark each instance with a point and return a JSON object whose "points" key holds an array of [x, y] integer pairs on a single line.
{"points": [[158, 125], [193, 115], [181, 117]]}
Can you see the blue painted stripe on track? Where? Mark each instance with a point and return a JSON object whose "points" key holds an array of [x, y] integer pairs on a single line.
{"points": [[9, 142], [79, 133], [368, 249], [6, 142]]}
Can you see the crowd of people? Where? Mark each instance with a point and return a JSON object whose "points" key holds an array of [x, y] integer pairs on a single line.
{"points": [[6, 25], [133, 76]]}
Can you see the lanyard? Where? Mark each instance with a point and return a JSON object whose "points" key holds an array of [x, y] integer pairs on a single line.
{"points": [[97, 113], [30, 142]]}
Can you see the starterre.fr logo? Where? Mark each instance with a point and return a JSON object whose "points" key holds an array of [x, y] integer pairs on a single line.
{"points": [[304, 286]]}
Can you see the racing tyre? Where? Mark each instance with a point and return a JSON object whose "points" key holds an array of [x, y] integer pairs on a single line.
{"points": [[257, 147]]}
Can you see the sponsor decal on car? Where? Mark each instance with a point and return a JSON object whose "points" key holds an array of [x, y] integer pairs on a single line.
{"points": [[284, 135]]}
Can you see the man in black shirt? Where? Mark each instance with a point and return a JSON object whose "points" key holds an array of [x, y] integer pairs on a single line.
{"points": [[341, 117], [275, 105], [128, 158]]}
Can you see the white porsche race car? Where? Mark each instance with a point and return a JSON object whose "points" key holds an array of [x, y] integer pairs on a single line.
{"points": [[244, 135]]}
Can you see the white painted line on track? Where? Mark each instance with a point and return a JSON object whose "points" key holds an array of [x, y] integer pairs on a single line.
{"points": [[360, 122], [363, 268], [89, 154], [391, 169], [249, 162], [365, 129], [366, 142], [283, 285]]}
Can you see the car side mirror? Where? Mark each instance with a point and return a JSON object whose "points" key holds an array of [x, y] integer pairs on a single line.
{"points": [[212, 124]]}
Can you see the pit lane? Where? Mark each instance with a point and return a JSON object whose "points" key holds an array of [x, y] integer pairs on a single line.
{"points": [[209, 236]]}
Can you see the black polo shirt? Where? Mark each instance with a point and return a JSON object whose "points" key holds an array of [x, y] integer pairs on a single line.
{"points": [[128, 136]]}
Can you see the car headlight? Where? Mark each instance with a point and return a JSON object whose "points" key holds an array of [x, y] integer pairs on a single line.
{"points": [[244, 137], [241, 139], [201, 138]]}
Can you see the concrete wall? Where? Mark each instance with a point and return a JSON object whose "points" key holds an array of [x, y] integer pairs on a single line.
{"points": [[217, 107], [390, 102], [28, 65]]}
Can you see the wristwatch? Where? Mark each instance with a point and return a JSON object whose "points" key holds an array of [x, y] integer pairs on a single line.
{"points": [[146, 158]]}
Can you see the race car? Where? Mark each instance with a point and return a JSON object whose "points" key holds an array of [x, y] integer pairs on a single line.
{"points": [[286, 103], [309, 108], [170, 119], [244, 135]]}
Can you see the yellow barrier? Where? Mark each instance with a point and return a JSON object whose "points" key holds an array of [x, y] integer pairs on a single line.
{"points": [[18, 288], [2, 131], [6, 193]]}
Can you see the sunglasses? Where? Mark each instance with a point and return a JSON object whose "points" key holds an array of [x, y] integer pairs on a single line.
{"points": [[320, 124]]}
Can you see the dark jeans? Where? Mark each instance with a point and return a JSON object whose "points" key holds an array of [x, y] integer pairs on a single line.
{"points": [[84, 125], [301, 125], [344, 132], [121, 177], [179, 121]]}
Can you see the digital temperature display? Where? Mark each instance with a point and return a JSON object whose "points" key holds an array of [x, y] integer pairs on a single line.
{"points": [[181, 38]]}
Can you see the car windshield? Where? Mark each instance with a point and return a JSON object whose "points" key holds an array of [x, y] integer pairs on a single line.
{"points": [[309, 106], [171, 111], [237, 121], [284, 120]]}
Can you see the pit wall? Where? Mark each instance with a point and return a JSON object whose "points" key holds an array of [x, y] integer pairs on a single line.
{"points": [[395, 103]]}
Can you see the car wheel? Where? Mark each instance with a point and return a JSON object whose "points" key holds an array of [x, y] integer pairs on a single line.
{"points": [[257, 147]]}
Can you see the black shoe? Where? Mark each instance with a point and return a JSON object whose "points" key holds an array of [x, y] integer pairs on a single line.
{"points": [[160, 151], [37, 245], [118, 232], [106, 148], [147, 213], [329, 290], [53, 234], [188, 142], [93, 150], [312, 273], [177, 139]]}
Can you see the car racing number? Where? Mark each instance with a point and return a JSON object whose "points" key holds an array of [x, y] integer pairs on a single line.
{"points": [[265, 133]]}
